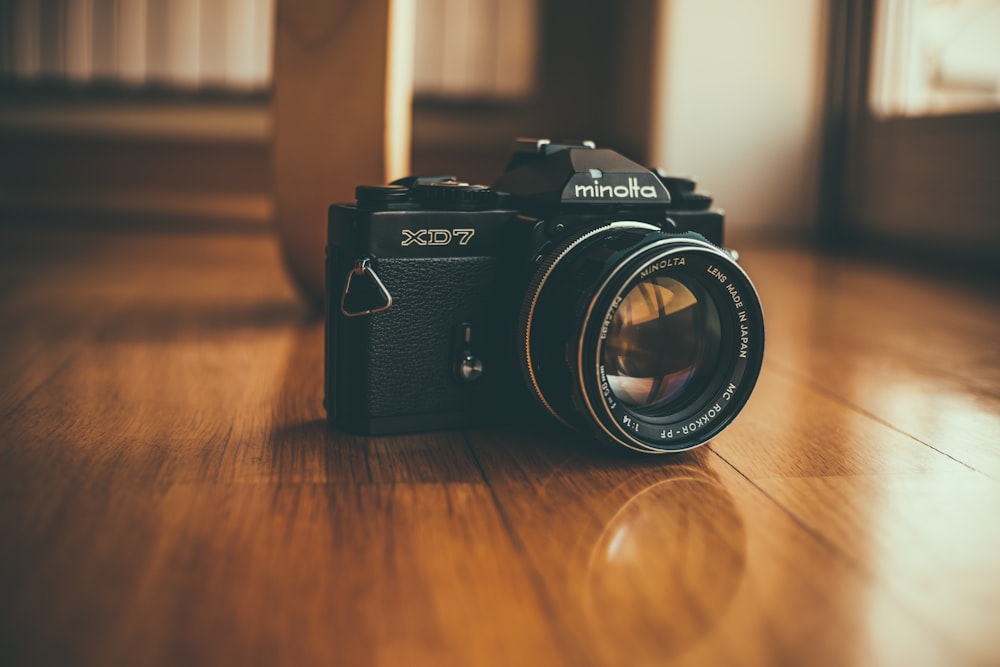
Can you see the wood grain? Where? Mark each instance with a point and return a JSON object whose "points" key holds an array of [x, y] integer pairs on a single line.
{"points": [[169, 492], [915, 352]]}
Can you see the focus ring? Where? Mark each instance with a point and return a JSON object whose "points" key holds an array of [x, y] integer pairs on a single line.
{"points": [[535, 287]]}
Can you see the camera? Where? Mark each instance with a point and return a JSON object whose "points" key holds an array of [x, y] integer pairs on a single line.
{"points": [[580, 285]]}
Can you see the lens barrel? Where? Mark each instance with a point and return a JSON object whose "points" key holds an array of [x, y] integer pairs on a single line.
{"points": [[652, 340]]}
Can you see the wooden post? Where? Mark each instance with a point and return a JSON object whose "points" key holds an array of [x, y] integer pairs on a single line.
{"points": [[341, 115]]}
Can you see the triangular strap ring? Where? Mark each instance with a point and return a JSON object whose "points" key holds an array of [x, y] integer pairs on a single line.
{"points": [[364, 293]]}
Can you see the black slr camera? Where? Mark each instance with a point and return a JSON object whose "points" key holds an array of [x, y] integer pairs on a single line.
{"points": [[592, 285]]}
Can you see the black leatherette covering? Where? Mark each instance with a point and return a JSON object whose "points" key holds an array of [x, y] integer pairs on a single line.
{"points": [[410, 348]]}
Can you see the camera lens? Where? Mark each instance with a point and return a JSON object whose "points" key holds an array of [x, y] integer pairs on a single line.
{"points": [[652, 340], [661, 339]]}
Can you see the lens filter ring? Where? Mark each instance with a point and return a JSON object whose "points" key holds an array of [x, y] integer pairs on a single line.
{"points": [[716, 383]]}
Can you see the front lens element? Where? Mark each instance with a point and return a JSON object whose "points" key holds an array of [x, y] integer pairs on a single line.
{"points": [[664, 333], [649, 339]]}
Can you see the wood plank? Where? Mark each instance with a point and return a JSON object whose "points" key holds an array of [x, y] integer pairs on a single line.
{"points": [[917, 352], [43, 328], [792, 429], [685, 561], [931, 539], [123, 573], [160, 339]]}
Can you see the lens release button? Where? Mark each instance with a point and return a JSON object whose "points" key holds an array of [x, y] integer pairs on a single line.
{"points": [[470, 368]]}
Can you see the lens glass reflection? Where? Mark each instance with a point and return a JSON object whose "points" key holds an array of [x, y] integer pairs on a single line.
{"points": [[663, 334]]}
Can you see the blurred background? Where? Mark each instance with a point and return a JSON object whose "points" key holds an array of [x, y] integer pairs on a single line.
{"points": [[849, 123]]}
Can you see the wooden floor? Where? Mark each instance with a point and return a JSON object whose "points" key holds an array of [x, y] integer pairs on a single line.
{"points": [[169, 493]]}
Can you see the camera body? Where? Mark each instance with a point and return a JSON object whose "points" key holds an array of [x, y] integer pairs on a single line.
{"points": [[433, 287], [394, 357]]}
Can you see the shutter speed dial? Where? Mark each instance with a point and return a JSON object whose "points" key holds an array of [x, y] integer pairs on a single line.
{"points": [[454, 196]]}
